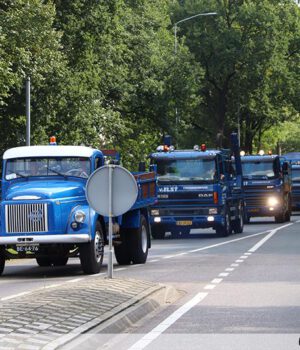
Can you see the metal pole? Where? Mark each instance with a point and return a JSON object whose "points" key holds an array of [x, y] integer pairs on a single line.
{"points": [[110, 252], [175, 38], [28, 111]]}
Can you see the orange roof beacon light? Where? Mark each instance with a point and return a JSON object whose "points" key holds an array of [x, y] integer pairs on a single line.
{"points": [[166, 148], [203, 147], [53, 141], [270, 152]]}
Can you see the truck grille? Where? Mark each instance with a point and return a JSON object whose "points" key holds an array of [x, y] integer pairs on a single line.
{"points": [[26, 218]]}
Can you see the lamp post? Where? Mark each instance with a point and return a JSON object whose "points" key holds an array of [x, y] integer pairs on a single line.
{"points": [[175, 41], [186, 19]]}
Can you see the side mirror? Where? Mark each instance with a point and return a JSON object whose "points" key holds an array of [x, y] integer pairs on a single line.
{"points": [[142, 166]]}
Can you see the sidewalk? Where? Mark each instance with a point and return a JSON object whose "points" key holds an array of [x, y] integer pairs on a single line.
{"points": [[49, 318]]}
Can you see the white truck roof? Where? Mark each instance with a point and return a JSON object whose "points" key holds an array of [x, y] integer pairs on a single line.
{"points": [[48, 151]]}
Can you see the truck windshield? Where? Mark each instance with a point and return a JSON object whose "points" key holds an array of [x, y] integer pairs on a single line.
{"points": [[260, 169], [186, 170], [62, 166], [296, 175]]}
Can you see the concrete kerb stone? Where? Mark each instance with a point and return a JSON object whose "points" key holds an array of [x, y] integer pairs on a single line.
{"points": [[123, 307], [56, 316]]}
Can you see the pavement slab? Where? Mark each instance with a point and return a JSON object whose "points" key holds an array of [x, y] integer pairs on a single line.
{"points": [[48, 318]]}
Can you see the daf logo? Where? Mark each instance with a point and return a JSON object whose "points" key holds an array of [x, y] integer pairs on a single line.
{"points": [[205, 195], [35, 215]]}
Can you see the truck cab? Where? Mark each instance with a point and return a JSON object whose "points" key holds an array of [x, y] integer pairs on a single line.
{"points": [[45, 214], [197, 188], [267, 185], [294, 159]]}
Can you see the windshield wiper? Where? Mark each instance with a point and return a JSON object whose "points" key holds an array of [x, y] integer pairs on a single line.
{"points": [[56, 172]]}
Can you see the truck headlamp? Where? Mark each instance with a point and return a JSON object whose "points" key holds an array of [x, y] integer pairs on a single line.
{"points": [[154, 212], [79, 216], [272, 201]]}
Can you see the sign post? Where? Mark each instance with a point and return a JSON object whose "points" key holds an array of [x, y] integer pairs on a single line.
{"points": [[111, 191]]}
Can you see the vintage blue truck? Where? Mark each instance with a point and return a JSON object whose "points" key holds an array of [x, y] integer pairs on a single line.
{"points": [[267, 185], [45, 214], [294, 159], [198, 188]]}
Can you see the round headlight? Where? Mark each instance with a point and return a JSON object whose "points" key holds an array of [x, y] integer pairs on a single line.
{"points": [[79, 216], [272, 201]]}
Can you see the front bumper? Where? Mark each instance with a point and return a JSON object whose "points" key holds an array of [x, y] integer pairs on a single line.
{"points": [[263, 211], [178, 223], [45, 239]]}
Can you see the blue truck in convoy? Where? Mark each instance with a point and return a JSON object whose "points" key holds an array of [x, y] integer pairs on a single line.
{"points": [[45, 214], [267, 185], [198, 188], [294, 159]]}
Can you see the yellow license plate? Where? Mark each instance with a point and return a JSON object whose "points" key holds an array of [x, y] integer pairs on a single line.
{"points": [[184, 223]]}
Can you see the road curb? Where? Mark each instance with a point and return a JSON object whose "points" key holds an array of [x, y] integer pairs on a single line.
{"points": [[100, 320], [127, 316]]}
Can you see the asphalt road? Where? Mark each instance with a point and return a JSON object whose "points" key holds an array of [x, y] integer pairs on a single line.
{"points": [[239, 292]]}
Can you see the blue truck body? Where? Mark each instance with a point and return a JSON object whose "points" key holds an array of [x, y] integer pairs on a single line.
{"points": [[197, 189], [294, 159], [45, 213], [267, 186]]}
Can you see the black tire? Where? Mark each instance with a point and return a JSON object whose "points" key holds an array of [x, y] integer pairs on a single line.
{"points": [[238, 224], [122, 251], [2, 260], [280, 218], [139, 242], [91, 253], [288, 213], [225, 230], [60, 260], [44, 261], [157, 232], [246, 219]]}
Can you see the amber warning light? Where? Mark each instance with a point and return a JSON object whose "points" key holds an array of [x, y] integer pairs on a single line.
{"points": [[52, 140]]}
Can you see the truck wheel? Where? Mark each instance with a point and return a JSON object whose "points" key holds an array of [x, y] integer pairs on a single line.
{"points": [[2, 259], [225, 230], [280, 218], [288, 213], [139, 242], [91, 253], [44, 261], [157, 232], [122, 251], [238, 224]]}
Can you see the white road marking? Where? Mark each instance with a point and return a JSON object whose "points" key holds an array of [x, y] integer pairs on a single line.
{"points": [[262, 241], [247, 253], [229, 269], [223, 274], [120, 269], [244, 257], [165, 324], [217, 280], [75, 280], [235, 265], [227, 242], [239, 260], [155, 260], [210, 286]]}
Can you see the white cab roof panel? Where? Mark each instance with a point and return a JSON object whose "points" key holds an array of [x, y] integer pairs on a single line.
{"points": [[48, 151]]}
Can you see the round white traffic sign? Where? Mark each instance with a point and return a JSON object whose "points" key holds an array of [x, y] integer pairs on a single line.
{"points": [[123, 187]]}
